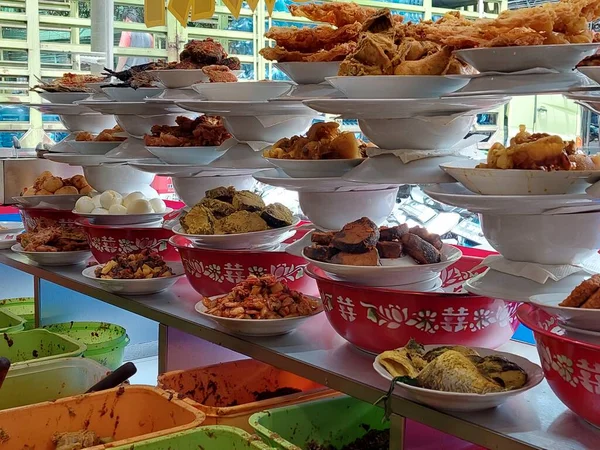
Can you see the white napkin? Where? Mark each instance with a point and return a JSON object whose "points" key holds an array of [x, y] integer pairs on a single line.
{"points": [[274, 119], [540, 273]]}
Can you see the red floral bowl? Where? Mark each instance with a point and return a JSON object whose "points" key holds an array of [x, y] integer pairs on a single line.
{"points": [[108, 241], [34, 218], [214, 272], [571, 366], [378, 319]]}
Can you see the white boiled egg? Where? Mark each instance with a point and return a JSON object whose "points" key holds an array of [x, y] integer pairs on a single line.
{"points": [[117, 210], [100, 211], [96, 201], [128, 199], [109, 198], [139, 206], [158, 205], [85, 205]]}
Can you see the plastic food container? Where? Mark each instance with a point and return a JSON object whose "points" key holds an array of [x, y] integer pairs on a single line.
{"points": [[105, 342], [226, 393], [38, 345], [212, 437], [10, 323], [125, 415], [336, 422], [23, 307], [37, 382]]}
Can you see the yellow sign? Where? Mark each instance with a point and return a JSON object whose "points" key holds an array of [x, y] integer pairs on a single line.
{"points": [[234, 6], [203, 9], [181, 10], [155, 14]]}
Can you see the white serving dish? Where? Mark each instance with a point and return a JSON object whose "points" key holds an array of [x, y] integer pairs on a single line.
{"points": [[62, 202], [147, 108], [560, 57], [64, 97], [136, 287], [93, 147], [131, 149], [123, 219], [158, 167], [265, 128], [239, 156], [258, 327], [519, 182], [253, 91], [577, 318], [543, 239], [61, 109], [589, 100], [186, 93], [243, 240], [7, 240], [127, 94], [123, 179], [315, 168], [180, 78], [54, 258], [432, 285], [309, 72], [92, 122], [7, 227], [492, 283], [191, 190], [398, 86], [453, 401], [424, 133], [393, 272], [138, 126], [333, 210], [246, 108], [187, 155]]}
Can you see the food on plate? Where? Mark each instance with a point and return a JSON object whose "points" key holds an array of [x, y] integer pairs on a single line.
{"points": [[336, 53], [261, 297], [224, 210], [198, 54], [538, 151], [111, 202], [53, 239], [590, 61], [136, 77], [362, 243], [135, 266], [323, 140], [452, 369], [73, 440], [69, 82], [48, 184], [310, 40], [200, 132], [107, 135], [219, 74], [586, 295], [335, 13]]}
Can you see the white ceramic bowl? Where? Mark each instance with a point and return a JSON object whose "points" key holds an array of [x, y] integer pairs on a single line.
{"points": [[127, 94], [54, 258], [431, 133], [243, 91], [309, 72], [585, 319], [250, 128], [333, 210], [543, 239], [123, 179], [64, 97], [258, 327], [138, 126], [93, 147], [94, 123], [187, 155], [136, 287], [398, 86], [317, 168], [240, 156], [453, 401], [192, 189], [180, 78]]}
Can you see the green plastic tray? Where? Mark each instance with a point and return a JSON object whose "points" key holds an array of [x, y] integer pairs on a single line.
{"points": [[338, 422], [38, 345], [215, 437], [23, 307], [10, 323], [105, 342]]}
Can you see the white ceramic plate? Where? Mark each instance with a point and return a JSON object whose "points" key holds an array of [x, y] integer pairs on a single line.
{"points": [[585, 319], [7, 227], [393, 272], [63, 202], [123, 219], [592, 72], [239, 156], [64, 97], [241, 241], [589, 100], [581, 332], [76, 159], [182, 78], [398, 86], [131, 108], [309, 72], [453, 401], [54, 258], [562, 58], [403, 108], [258, 327], [187, 155], [127, 94], [69, 109], [252, 91], [186, 93], [94, 148], [186, 170], [136, 287], [7, 241], [519, 182], [323, 168], [245, 108], [492, 283]]}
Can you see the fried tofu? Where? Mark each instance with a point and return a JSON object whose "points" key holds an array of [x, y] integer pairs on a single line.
{"points": [[359, 236], [322, 253], [389, 250], [369, 258], [432, 238], [420, 250], [392, 233], [322, 238], [241, 222], [247, 201]]}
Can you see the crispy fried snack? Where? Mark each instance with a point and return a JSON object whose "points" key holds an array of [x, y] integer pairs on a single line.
{"points": [[261, 298], [582, 293], [202, 131], [310, 40], [280, 54], [53, 239], [69, 82], [219, 74], [135, 266], [206, 51], [107, 135], [335, 13]]}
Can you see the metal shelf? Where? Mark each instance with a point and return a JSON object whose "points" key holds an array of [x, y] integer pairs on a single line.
{"points": [[536, 419]]}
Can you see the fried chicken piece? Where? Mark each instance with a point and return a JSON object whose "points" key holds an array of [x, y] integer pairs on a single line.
{"points": [[582, 162], [432, 238], [368, 258], [419, 249], [593, 302], [359, 236], [310, 40], [336, 53], [219, 74], [84, 136], [206, 51], [433, 64], [232, 62], [393, 233], [241, 222], [389, 249], [582, 293], [335, 13]]}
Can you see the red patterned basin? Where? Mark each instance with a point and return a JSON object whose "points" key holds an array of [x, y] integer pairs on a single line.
{"points": [[379, 319], [214, 272], [571, 366], [34, 218]]}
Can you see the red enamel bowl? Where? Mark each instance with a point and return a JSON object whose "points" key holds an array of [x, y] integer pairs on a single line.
{"points": [[108, 241], [34, 218], [379, 319], [215, 272], [571, 366]]}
